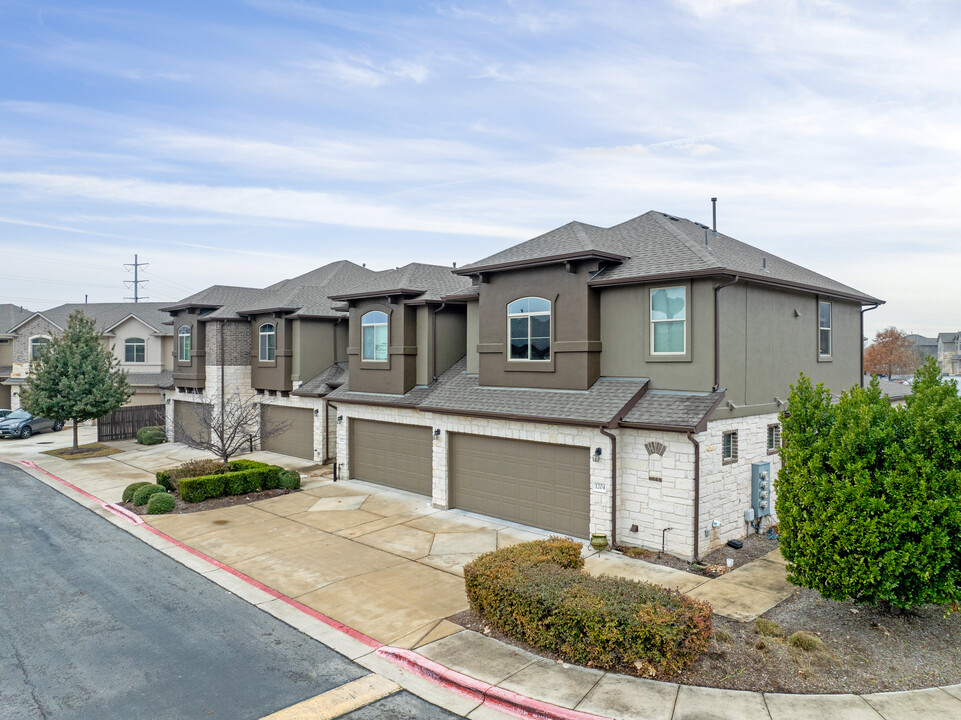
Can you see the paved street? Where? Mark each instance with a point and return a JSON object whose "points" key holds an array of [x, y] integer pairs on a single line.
{"points": [[96, 624]]}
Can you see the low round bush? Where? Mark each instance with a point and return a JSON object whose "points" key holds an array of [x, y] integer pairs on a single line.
{"points": [[289, 480], [160, 503], [131, 489], [141, 496], [537, 592], [151, 435]]}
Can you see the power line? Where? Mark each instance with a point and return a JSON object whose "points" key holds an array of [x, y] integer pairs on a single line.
{"points": [[55, 282], [136, 282]]}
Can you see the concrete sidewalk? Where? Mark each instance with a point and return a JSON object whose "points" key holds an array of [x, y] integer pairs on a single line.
{"points": [[388, 566]]}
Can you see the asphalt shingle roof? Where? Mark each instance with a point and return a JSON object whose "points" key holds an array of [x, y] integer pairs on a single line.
{"points": [[655, 244], [323, 383], [163, 379], [107, 315], [432, 281], [11, 316], [662, 408]]}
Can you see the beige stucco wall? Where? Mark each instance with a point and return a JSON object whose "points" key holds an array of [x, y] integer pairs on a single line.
{"points": [[134, 328]]}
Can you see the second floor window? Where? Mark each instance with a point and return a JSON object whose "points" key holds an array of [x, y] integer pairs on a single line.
{"points": [[183, 343], [135, 350], [268, 342], [668, 321], [35, 345], [824, 329], [374, 330], [529, 329]]}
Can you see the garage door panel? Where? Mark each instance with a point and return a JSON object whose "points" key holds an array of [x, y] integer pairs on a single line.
{"points": [[392, 454], [298, 439], [538, 484], [188, 419]]}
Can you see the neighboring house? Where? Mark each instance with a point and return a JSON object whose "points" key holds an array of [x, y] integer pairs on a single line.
{"points": [[624, 380], [134, 332], [949, 352], [926, 347], [10, 316], [285, 343]]}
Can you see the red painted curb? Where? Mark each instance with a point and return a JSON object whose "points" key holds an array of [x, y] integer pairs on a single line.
{"points": [[496, 697]]}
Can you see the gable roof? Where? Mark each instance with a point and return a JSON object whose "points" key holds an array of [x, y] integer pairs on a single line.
{"points": [[107, 315], [656, 245], [11, 316], [417, 280]]}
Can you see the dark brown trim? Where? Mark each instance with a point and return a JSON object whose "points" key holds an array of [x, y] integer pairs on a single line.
{"points": [[187, 306], [606, 433], [863, 310], [266, 311], [406, 406], [762, 279], [543, 260], [697, 494], [376, 294], [432, 342], [629, 405]]}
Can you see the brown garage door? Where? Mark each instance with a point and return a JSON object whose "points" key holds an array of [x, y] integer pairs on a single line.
{"points": [[298, 439], [190, 418], [537, 484], [391, 454]]}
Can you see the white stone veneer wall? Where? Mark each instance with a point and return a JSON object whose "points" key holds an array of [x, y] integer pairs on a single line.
{"points": [[535, 432], [236, 377]]}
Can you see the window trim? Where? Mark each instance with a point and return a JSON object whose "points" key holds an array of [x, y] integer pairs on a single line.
{"points": [[261, 335], [729, 460], [363, 325], [825, 357], [33, 353], [184, 344], [133, 343], [648, 335], [776, 427], [528, 315]]}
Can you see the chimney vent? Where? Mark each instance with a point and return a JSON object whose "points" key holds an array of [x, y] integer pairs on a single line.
{"points": [[714, 215]]}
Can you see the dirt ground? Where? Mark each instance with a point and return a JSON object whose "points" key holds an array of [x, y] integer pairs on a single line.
{"points": [[755, 546]]}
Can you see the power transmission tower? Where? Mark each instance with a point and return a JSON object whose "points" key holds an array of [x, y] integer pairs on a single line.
{"points": [[136, 282]]}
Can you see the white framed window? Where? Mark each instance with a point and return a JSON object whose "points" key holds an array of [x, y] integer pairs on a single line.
{"points": [[183, 343], [669, 321], [824, 329], [374, 340], [135, 350], [529, 329], [773, 438], [268, 342], [36, 343], [729, 446]]}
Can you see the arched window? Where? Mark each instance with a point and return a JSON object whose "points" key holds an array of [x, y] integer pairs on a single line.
{"points": [[183, 343], [268, 342], [36, 343], [529, 328], [135, 350], [374, 330]]}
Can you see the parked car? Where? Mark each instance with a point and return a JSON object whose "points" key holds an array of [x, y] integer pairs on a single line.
{"points": [[22, 424], [4, 412]]}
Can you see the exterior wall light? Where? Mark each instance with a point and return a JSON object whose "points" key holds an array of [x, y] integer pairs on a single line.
{"points": [[597, 455], [340, 418], [437, 432]]}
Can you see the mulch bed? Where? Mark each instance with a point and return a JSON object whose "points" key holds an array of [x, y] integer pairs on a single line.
{"points": [[211, 503], [755, 546], [865, 649]]}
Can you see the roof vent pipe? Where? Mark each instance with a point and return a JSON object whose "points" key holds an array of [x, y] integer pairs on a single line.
{"points": [[714, 215], [764, 263], [706, 243]]}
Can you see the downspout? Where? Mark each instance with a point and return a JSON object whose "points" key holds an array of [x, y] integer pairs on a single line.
{"points": [[873, 307], [433, 341], [326, 420], [613, 437], [697, 493], [717, 336]]}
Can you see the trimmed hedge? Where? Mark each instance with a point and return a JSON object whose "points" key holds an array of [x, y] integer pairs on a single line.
{"points": [[142, 495], [151, 435], [131, 489], [245, 476], [160, 503], [538, 593], [289, 480]]}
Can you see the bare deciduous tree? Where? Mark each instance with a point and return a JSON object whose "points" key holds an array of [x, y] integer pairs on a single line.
{"points": [[226, 425]]}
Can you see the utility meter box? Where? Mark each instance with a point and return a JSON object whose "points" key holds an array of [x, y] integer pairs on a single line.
{"points": [[761, 488]]}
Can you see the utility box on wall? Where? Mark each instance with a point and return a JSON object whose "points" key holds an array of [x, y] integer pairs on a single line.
{"points": [[761, 488]]}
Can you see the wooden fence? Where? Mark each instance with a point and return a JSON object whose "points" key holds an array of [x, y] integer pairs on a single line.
{"points": [[124, 422]]}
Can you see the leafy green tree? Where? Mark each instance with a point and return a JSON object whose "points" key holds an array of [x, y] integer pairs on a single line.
{"points": [[869, 495], [74, 377]]}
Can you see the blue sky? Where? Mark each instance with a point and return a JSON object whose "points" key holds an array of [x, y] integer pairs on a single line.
{"points": [[243, 142]]}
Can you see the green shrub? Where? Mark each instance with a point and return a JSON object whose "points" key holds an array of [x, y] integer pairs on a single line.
{"points": [[246, 464], [289, 480], [805, 641], [538, 593], [131, 489], [160, 503], [141, 496], [163, 478], [237, 482], [869, 495], [151, 435], [196, 468], [763, 626]]}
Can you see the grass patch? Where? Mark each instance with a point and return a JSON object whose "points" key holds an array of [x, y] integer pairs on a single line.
{"points": [[769, 628], [90, 450], [805, 641]]}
